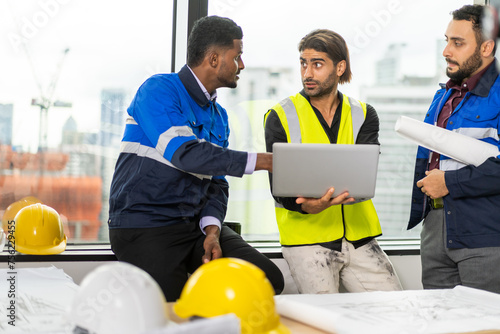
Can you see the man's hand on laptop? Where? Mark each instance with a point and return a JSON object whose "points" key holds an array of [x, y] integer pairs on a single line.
{"points": [[264, 162], [316, 205]]}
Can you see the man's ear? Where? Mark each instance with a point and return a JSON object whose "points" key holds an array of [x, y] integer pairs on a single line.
{"points": [[213, 59], [341, 66], [487, 48]]}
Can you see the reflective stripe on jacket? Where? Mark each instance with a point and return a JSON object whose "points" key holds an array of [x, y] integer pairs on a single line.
{"points": [[472, 205], [174, 156], [355, 221]]}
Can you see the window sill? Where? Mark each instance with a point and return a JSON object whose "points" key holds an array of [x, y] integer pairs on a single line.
{"points": [[73, 253], [103, 252], [392, 247]]}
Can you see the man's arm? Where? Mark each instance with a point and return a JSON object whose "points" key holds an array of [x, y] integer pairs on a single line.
{"points": [[433, 184], [168, 125], [316, 205], [470, 181], [215, 204], [368, 134], [264, 162], [275, 133], [211, 244]]}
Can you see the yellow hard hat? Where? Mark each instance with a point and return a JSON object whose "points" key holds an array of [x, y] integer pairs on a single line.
{"points": [[229, 285], [13, 209], [38, 230]]}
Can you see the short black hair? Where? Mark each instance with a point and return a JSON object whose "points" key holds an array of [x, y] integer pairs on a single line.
{"points": [[474, 14], [208, 32]]}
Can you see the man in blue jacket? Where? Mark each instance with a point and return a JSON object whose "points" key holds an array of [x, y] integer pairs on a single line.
{"points": [[169, 193], [460, 238]]}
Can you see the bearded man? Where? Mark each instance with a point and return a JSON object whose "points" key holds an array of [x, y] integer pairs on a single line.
{"points": [[327, 241], [460, 238]]}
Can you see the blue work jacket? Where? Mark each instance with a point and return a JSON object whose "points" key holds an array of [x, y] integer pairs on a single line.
{"points": [[174, 156], [472, 207]]}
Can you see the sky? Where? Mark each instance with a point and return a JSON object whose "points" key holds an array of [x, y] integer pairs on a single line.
{"points": [[368, 26], [112, 43], [118, 44]]}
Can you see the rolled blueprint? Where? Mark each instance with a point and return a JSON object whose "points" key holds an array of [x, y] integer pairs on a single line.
{"points": [[464, 149]]}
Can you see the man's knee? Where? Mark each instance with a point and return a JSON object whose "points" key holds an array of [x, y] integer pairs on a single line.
{"points": [[277, 280], [233, 245], [270, 269]]}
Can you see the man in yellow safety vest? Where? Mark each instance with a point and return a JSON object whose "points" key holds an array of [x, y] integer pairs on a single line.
{"points": [[327, 241]]}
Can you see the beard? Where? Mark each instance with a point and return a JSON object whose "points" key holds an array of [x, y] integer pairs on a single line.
{"points": [[226, 76], [466, 69], [323, 88]]}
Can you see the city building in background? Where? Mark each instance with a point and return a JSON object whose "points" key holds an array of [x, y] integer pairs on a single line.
{"points": [[114, 103], [6, 114], [73, 178], [395, 94]]}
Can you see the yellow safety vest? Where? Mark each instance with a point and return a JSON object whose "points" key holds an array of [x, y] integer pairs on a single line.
{"points": [[354, 221]]}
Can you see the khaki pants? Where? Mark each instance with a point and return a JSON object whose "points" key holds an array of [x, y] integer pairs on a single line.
{"points": [[316, 269]]}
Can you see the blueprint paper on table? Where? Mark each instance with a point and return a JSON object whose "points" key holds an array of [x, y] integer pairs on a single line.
{"points": [[42, 297], [455, 310], [465, 149], [224, 324]]}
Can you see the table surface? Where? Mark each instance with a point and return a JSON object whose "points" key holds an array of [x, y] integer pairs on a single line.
{"points": [[41, 287], [298, 327]]}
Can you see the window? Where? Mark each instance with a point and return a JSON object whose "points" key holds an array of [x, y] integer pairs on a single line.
{"points": [[69, 71], [395, 48]]}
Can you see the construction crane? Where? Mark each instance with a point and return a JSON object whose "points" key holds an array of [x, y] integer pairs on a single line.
{"points": [[45, 102], [45, 99]]}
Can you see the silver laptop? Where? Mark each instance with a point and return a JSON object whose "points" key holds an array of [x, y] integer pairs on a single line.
{"points": [[309, 170]]}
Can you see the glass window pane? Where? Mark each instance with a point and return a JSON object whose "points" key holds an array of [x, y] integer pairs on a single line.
{"points": [[69, 70], [396, 60]]}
